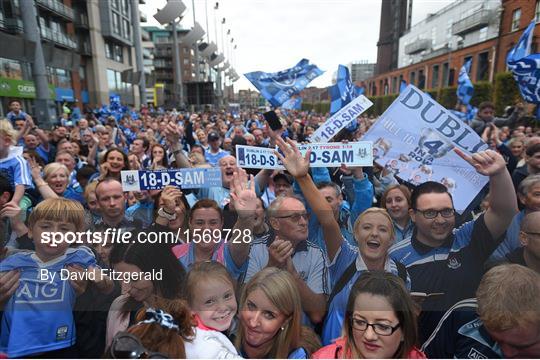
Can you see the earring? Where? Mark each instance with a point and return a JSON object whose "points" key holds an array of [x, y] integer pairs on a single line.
{"points": [[283, 328]]}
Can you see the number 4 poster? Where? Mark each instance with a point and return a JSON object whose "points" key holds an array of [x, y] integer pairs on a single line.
{"points": [[414, 140]]}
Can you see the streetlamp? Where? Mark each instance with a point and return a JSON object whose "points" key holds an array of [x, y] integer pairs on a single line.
{"points": [[169, 14]]}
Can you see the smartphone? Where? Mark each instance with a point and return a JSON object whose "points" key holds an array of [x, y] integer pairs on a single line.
{"points": [[273, 120]]}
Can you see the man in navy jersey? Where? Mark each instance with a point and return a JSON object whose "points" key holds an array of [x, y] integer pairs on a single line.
{"points": [[502, 322], [446, 261]]}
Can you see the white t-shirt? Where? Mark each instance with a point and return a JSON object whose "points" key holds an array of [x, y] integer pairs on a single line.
{"points": [[210, 344]]}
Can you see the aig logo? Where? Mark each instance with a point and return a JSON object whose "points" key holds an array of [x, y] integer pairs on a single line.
{"points": [[475, 354], [40, 292]]}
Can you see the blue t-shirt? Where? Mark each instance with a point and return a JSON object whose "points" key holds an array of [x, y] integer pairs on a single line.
{"points": [[16, 168], [12, 117], [213, 159], [39, 316]]}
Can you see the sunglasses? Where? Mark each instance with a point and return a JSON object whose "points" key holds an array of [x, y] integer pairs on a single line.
{"points": [[128, 346]]}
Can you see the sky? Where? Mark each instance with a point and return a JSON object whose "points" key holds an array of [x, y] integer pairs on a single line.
{"points": [[273, 35]]}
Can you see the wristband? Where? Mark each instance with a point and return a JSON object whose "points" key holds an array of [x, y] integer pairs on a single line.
{"points": [[161, 212]]}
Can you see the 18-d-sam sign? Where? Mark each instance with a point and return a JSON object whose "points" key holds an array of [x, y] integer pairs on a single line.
{"points": [[322, 155], [137, 180]]}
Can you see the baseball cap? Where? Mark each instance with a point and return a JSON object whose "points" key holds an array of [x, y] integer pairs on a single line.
{"points": [[213, 136], [288, 178]]}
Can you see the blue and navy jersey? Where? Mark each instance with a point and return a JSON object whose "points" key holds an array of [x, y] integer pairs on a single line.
{"points": [[16, 170], [213, 159], [346, 255], [11, 116], [39, 316], [461, 334], [454, 269]]}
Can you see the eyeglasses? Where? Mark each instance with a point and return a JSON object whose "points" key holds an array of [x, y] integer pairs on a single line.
{"points": [[432, 213], [294, 217], [380, 329], [128, 346]]}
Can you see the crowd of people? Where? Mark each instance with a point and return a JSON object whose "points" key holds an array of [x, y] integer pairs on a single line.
{"points": [[337, 262]]}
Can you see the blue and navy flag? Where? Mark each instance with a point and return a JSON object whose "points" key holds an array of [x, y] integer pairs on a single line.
{"points": [[294, 103], [465, 89], [402, 86], [526, 66], [343, 92], [280, 86]]}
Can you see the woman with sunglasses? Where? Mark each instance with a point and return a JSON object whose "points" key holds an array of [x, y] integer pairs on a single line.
{"points": [[380, 322]]}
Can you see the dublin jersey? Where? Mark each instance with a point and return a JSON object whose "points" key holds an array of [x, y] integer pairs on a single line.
{"points": [[16, 169], [38, 317]]}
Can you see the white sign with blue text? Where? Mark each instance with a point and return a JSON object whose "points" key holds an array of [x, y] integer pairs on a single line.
{"points": [[322, 155], [414, 140], [341, 119], [189, 178]]}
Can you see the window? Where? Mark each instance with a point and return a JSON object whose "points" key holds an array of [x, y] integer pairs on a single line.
{"points": [[451, 75], [63, 78], [445, 74], [435, 77], [537, 11], [118, 53], [10, 69], [394, 85], [109, 51], [116, 24], [482, 69], [111, 79], [114, 4], [516, 16], [126, 29], [412, 78], [421, 79], [433, 36], [125, 7]]}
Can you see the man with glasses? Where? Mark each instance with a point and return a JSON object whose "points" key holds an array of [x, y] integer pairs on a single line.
{"points": [[289, 249], [447, 261]]}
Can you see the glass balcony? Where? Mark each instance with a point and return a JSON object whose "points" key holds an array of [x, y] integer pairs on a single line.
{"points": [[58, 8], [58, 38], [418, 46], [472, 22]]}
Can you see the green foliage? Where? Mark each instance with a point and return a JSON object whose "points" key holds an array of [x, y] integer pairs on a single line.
{"points": [[447, 97], [483, 91], [506, 92]]}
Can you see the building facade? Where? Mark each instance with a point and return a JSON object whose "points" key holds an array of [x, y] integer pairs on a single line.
{"points": [[361, 70], [87, 45], [395, 21], [432, 68], [163, 62]]}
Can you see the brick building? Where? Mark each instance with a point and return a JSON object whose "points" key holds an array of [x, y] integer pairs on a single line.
{"points": [[489, 57]]}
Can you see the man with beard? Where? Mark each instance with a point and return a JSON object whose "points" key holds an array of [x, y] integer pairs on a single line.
{"points": [[446, 261]]}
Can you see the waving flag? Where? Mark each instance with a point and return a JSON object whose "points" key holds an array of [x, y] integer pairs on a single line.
{"points": [[465, 87], [526, 66], [294, 103], [343, 92], [280, 86]]}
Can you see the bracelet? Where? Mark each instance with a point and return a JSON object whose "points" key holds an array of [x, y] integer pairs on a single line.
{"points": [[161, 212], [42, 184]]}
